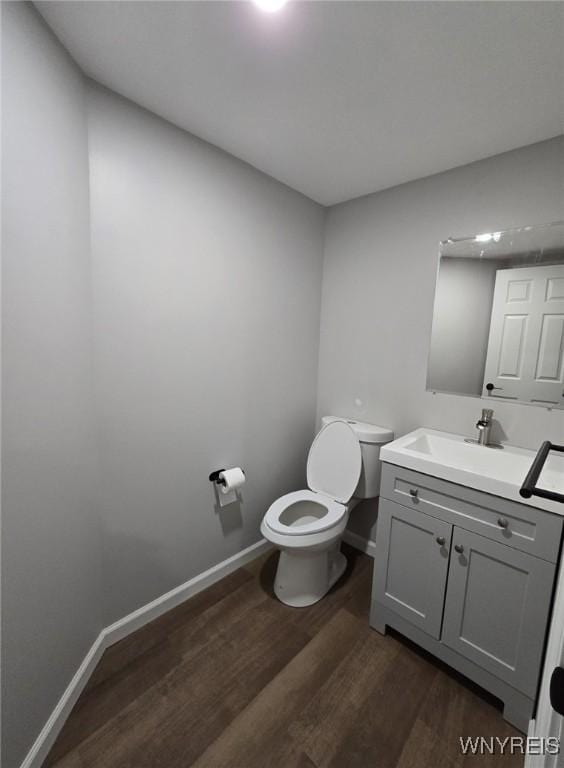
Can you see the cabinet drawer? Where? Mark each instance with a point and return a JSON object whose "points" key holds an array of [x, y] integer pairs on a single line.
{"points": [[512, 524]]}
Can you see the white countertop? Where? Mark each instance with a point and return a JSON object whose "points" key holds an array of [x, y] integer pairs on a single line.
{"points": [[500, 471]]}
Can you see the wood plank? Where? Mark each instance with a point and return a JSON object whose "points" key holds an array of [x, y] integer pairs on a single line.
{"points": [[136, 644], [249, 738], [360, 591], [108, 699], [389, 712], [169, 643], [71, 760], [454, 708], [341, 700], [424, 749], [175, 720], [233, 678]]}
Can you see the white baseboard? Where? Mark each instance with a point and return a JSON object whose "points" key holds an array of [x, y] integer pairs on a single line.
{"points": [[359, 542], [120, 629], [133, 621], [52, 727]]}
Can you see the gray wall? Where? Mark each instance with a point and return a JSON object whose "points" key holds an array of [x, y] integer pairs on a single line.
{"points": [[461, 324], [51, 558], [200, 314], [207, 282], [189, 342], [379, 277]]}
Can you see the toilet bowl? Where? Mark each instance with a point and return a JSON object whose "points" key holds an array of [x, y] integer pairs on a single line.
{"points": [[307, 525]]}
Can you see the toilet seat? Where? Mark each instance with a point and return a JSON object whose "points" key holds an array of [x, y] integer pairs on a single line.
{"points": [[333, 469], [306, 512]]}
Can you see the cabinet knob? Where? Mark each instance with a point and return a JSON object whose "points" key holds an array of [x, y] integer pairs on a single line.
{"points": [[441, 540], [502, 522], [413, 492], [459, 548]]}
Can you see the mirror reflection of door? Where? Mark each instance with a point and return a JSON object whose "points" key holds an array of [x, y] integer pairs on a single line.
{"points": [[525, 355]]}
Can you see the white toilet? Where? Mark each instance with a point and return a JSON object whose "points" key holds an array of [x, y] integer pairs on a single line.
{"points": [[343, 467]]}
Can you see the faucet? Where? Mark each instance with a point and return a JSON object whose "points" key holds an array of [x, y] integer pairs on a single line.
{"points": [[484, 426]]}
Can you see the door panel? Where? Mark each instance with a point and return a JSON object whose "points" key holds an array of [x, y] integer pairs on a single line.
{"points": [[513, 336], [497, 598], [549, 362], [410, 566], [525, 356]]}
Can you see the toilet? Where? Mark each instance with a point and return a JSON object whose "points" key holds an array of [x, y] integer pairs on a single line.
{"points": [[343, 467]]}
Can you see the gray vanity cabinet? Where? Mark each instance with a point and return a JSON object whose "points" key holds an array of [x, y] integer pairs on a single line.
{"points": [[416, 592], [497, 598], [469, 577]]}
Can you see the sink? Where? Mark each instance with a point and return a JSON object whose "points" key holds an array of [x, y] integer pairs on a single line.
{"points": [[492, 470]]}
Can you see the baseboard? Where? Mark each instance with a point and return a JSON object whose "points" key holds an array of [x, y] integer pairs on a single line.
{"points": [[359, 542], [121, 629], [145, 614], [52, 727]]}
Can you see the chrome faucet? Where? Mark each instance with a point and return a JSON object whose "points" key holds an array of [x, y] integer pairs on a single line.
{"points": [[484, 426]]}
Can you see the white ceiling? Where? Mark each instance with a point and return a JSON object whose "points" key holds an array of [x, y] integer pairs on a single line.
{"points": [[336, 99]]}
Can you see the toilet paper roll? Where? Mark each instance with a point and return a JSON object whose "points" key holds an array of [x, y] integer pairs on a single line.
{"points": [[233, 478]]}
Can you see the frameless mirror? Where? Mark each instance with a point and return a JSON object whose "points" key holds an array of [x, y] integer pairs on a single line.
{"points": [[498, 320]]}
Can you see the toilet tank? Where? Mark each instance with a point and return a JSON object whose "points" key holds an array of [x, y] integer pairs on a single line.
{"points": [[371, 438]]}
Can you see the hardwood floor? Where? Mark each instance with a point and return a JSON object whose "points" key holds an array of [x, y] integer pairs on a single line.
{"points": [[235, 679]]}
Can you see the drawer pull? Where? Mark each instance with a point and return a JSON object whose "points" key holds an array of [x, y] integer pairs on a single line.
{"points": [[459, 548], [413, 492], [441, 540], [502, 522]]}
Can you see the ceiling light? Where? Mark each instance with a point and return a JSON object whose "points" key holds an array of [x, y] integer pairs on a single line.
{"points": [[270, 6], [487, 236]]}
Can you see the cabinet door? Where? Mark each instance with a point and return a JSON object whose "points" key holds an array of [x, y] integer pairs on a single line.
{"points": [[411, 564], [496, 608]]}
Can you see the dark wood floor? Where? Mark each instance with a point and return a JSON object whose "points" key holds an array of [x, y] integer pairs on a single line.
{"points": [[234, 679]]}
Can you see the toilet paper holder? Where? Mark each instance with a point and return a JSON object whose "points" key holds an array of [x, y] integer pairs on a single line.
{"points": [[215, 477]]}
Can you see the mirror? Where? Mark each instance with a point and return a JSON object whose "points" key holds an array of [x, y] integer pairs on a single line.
{"points": [[498, 319]]}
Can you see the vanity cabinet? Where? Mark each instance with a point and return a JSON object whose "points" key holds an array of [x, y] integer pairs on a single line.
{"points": [[469, 577]]}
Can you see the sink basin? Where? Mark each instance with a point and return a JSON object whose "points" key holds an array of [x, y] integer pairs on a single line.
{"points": [[493, 470]]}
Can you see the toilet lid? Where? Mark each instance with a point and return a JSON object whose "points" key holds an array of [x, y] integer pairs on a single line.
{"points": [[334, 462]]}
